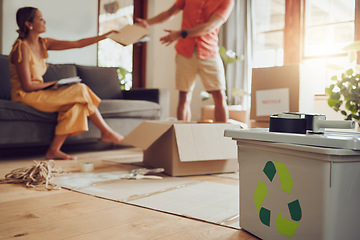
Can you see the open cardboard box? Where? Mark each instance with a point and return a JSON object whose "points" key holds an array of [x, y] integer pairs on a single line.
{"points": [[186, 148]]}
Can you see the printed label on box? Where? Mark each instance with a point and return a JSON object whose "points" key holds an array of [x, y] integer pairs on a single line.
{"points": [[272, 101]]}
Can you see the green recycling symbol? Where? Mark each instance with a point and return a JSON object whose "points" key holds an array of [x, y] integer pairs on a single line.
{"points": [[284, 226]]}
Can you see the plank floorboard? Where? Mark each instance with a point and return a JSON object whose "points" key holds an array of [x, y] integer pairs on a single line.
{"points": [[64, 214]]}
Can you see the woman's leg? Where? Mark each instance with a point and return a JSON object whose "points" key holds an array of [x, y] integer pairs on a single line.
{"points": [[107, 134], [54, 151]]}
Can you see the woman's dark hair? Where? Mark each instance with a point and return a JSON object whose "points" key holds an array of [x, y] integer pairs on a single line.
{"points": [[23, 15]]}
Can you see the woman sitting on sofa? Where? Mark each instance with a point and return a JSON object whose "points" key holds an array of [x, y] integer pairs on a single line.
{"points": [[74, 104]]}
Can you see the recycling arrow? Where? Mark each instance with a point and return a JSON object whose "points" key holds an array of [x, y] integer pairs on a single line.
{"points": [[285, 226], [295, 210], [270, 170], [285, 178], [260, 194]]}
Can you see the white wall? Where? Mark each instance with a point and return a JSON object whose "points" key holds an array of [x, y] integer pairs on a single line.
{"points": [[65, 20], [160, 64]]}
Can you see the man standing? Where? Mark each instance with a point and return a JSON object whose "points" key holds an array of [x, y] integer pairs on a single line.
{"points": [[197, 51]]}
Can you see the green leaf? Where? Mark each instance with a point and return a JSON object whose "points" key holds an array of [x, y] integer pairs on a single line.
{"points": [[353, 47], [334, 78], [349, 117], [332, 102], [329, 90], [348, 105], [353, 108], [343, 113], [356, 116], [228, 56], [335, 95], [338, 105], [122, 72], [349, 72]]}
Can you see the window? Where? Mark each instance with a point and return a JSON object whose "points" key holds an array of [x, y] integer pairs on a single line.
{"points": [[311, 32], [269, 22], [115, 14], [329, 27]]}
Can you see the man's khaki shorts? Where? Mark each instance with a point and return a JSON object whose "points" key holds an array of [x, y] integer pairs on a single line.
{"points": [[211, 72]]}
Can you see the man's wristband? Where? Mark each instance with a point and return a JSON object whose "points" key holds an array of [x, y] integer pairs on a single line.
{"points": [[184, 33]]}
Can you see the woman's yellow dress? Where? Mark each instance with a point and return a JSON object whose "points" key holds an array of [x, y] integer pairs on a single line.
{"points": [[73, 103]]}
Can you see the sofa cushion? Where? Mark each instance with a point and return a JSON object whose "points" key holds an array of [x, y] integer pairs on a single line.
{"points": [[5, 90], [129, 109], [103, 81], [15, 111], [59, 71]]}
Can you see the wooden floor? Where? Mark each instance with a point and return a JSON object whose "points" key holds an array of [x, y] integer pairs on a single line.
{"points": [[64, 214]]}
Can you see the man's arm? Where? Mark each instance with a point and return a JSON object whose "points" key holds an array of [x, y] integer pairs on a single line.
{"points": [[160, 18], [214, 22]]}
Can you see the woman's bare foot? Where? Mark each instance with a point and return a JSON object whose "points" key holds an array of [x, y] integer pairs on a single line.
{"points": [[58, 155], [112, 136]]}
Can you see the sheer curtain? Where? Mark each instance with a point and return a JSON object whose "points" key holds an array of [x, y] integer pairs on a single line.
{"points": [[236, 35]]}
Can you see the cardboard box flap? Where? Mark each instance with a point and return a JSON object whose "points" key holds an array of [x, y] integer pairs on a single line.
{"points": [[146, 134], [202, 142]]}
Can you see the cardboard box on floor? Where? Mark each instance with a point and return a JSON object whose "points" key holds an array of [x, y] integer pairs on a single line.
{"points": [[235, 113], [184, 149], [284, 88]]}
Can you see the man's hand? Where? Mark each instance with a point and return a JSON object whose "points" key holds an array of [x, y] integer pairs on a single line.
{"points": [[171, 37]]}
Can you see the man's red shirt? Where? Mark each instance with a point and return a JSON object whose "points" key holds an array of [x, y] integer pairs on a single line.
{"points": [[196, 12]]}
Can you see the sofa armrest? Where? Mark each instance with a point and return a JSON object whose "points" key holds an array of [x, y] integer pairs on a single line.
{"points": [[160, 96]]}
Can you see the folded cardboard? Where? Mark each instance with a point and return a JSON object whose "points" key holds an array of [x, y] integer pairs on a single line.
{"points": [[185, 148], [281, 89], [215, 203], [129, 34]]}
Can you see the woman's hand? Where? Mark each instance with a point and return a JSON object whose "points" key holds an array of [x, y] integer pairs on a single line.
{"points": [[142, 22], [110, 32]]}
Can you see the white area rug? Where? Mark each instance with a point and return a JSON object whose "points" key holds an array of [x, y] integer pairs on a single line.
{"points": [[206, 201]]}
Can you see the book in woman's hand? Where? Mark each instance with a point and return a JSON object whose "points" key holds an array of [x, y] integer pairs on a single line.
{"points": [[64, 82]]}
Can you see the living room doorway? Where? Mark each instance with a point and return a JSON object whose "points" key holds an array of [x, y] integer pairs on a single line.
{"points": [[115, 14]]}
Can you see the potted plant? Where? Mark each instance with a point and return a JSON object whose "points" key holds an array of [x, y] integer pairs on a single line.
{"points": [[125, 78], [344, 92]]}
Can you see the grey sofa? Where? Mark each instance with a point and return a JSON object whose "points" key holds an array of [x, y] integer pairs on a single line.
{"points": [[23, 126]]}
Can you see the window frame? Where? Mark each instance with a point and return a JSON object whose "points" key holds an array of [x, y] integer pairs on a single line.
{"points": [[139, 49], [294, 32]]}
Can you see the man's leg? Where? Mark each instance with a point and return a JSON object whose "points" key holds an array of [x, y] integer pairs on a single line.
{"points": [[221, 113], [183, 110]]}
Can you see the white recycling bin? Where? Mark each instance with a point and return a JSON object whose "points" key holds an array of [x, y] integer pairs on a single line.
{"points": [[299, 186]]}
